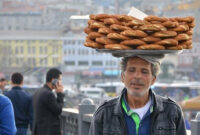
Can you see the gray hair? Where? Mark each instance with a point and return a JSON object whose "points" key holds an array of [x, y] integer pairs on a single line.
{"points": [[155, 67]]}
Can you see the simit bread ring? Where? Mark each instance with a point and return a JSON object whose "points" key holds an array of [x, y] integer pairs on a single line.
{"points": [[169, 41], [187, 42], [101, 16], [96, 25], [119, 27], [155, 18], [92, 16], [183, 36], [170, 24], [152, 27], [190, 32], [125, 18], [110, 21], [133, 42], [117, 47], [134, 33], [88, 30], [181, 28], [184, 46], [93, 45], [155, 22], [151, 39], [185, 19], [90, 43], [189, 47], [135, 22], [105, 40], [192, 24], [151, 47], [117, 36], [173, 19], [91, 21], [93, 35], [105, 30], [165, 34], [174, 47]]}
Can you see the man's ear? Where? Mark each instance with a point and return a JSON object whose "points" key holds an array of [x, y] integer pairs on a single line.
{"points": [[22, 83], [153, 80], [122, 76]]}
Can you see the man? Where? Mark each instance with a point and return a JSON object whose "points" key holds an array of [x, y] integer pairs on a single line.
{"points": [[47, 106], [138, 111], [22, 104], [3, 83], [7, 119]]}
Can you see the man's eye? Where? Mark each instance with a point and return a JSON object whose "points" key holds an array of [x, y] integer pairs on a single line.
{"points": [[145, 72], [131, 70]]}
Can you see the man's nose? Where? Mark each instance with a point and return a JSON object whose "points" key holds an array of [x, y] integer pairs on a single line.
{"points": [[138, 74]]}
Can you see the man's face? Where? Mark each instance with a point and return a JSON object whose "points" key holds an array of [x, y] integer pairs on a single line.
{"points": [[4, 83], [59, 81], [137, 77]]}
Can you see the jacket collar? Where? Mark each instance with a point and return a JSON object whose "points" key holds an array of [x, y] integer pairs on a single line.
{"points": [[157, 107], [16, 87], [47, 87]]}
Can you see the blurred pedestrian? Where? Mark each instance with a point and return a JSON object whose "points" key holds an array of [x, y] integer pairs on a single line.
{"points": [[138, 110], [7, 119], [3, 83], [47, 106], [22, 104]]}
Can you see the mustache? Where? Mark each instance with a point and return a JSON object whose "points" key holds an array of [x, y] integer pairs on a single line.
{"points": [[137, 82]]}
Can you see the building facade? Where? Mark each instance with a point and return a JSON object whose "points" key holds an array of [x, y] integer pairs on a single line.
{"points": [[30, 52], [77, 57]]}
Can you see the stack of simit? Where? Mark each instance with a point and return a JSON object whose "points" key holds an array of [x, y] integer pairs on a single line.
{"points": [[123, 32]]}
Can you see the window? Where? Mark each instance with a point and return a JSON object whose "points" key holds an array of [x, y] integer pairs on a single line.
{"points": [[96, 63], [16, 50], [33, 61], [70, 63], [22, 49], [17, 61], [65, 42], [22, 61], [41, 61], [73, 42], [29, 49], [29, 61], [41, 50], [73, 52], [45, 61], [33, 49], [45, 50], [10, 61], [83, 63], [55, 61], [69, 52]]}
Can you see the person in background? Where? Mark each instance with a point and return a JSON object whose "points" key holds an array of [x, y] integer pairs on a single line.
{"points": [[7, 119], [138, 110], [3, 83], [22, 104], [48, 107]]}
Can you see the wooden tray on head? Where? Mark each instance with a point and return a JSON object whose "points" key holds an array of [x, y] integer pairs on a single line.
{"points": [[128, 53]]}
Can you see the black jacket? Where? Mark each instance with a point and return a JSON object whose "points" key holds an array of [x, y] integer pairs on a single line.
{"points": [[166, 118], [47, 111], [22, 104]]}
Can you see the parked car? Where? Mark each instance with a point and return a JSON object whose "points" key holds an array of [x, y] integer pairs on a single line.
{"points": [[98, 95]]}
